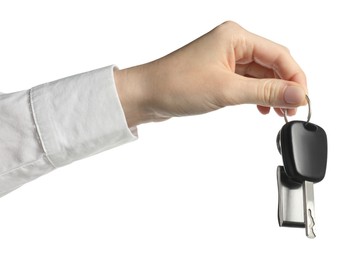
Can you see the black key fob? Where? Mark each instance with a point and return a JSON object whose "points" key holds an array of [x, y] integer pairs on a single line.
{"points": [[304, 147]]}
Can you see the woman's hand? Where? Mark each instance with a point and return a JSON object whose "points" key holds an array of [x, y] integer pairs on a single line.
{"points": [[227, 66]]}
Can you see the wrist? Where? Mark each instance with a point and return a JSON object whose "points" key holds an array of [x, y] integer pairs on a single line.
{"points": [[130, 85]]}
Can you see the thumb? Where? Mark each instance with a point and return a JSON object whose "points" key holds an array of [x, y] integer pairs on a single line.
{"points": [[272, 92]]}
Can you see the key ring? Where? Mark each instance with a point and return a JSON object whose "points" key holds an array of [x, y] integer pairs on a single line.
{"points": [[308, 115]]}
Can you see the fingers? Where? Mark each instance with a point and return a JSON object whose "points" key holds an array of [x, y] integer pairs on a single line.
{"points": [[254, 70], [277, 57], [283, 83], [265, 110], [255, 50], [267, 93]]}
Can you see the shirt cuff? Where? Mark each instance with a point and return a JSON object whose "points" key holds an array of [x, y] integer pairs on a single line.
{"points": [[79, 116]]}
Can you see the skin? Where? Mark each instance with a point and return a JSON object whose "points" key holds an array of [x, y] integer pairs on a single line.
{"points": [[225, 67]]}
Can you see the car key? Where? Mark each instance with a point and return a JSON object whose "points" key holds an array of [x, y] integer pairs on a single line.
{"points": [[303, 146]]}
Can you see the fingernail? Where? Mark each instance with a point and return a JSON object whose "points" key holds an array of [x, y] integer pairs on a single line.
{"points": [[294, 95]]}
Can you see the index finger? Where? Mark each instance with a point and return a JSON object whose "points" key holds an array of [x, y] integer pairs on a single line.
{"points": [[278, 58]]}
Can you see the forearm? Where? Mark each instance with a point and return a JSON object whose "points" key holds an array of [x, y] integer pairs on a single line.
{"points": [[57, 123]]}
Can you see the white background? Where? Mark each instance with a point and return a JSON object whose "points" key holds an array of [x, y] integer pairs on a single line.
{"points": [[200, 187]]}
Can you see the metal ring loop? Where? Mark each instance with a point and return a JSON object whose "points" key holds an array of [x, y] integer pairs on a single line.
{"points": [[285, 111]]}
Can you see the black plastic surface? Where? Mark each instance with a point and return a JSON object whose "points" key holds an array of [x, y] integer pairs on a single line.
{"points": [[304, 150]]}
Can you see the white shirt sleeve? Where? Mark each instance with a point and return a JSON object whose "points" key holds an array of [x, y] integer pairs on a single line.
{"points": [[56, 123]]}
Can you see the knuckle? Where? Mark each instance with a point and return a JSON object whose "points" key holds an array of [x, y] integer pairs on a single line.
{"points": [[267, 91], [284, 48], [230, 24], [228, 27]]}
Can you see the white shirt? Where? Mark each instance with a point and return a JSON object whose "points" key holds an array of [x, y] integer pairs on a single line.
{"points": [[56, 123]]}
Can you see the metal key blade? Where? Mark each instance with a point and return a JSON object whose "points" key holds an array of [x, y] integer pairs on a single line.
{"points": [[309, 214]]}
